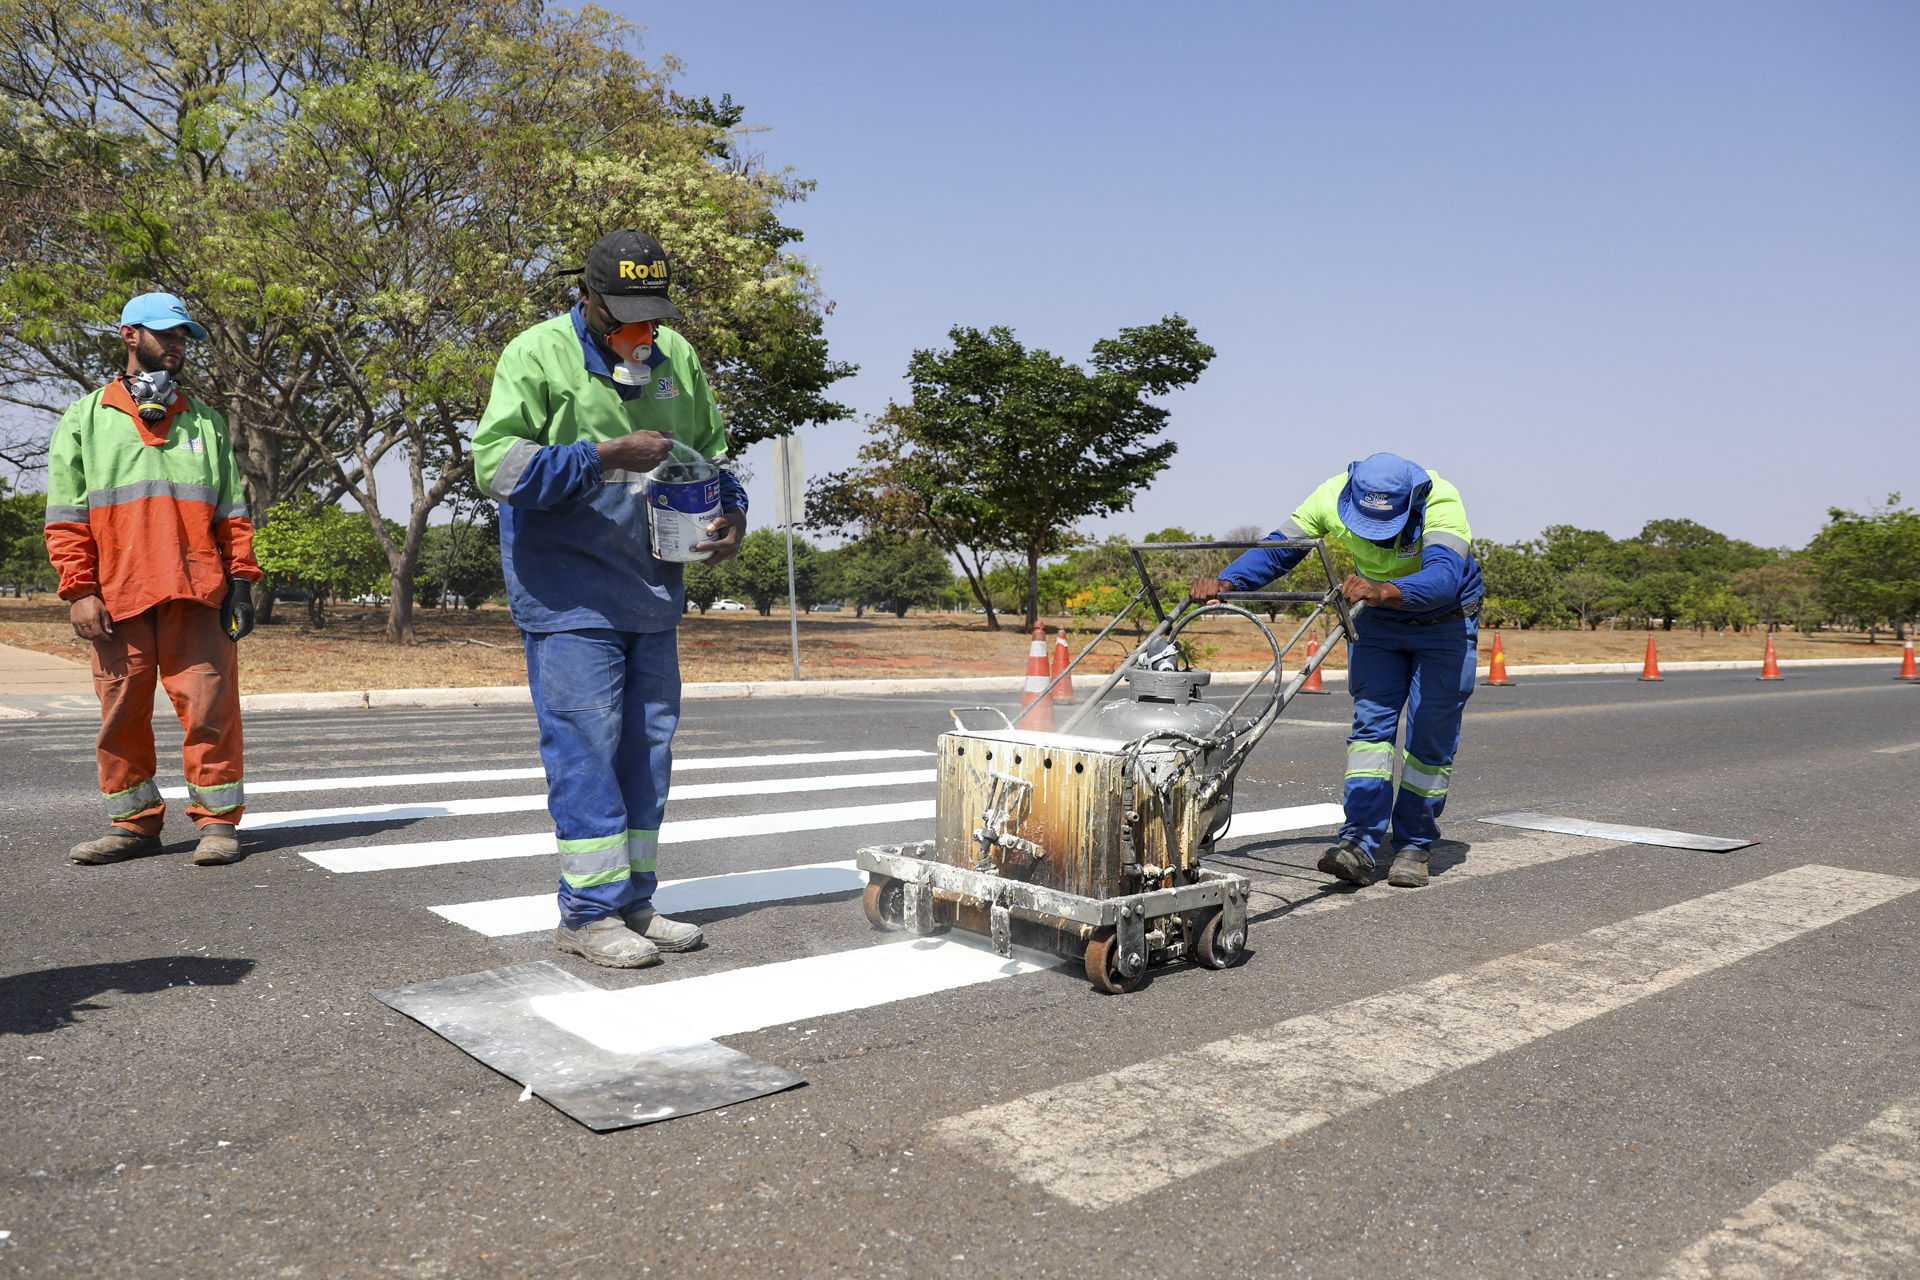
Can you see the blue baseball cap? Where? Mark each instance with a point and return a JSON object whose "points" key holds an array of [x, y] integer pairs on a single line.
{"points": [[1379, 495], [161, 311]]}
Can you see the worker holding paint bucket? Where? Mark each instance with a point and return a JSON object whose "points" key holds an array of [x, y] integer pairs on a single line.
{"points": [[1407, 529], [603, 445]]}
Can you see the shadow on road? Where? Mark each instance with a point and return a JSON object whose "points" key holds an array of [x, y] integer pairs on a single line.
{"points": [[48, 999]]}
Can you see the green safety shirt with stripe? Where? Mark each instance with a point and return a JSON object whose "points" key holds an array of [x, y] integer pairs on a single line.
{"points": [[1435, 569], [140, 514]]}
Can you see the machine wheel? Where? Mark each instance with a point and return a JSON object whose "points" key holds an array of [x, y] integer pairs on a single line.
{"points": [[1215, 951], [1101, 953], [885, 904]]}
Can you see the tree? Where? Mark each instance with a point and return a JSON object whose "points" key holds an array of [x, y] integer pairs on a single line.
{"points": [[1003, 449], [321, 550], [1583, 591], [23, 546], [365, 201], [1713, 606], [704, 583], [759, 572], [1867, 566], [1779, 594], [900, 571], [458, 559], [1521, 589]]}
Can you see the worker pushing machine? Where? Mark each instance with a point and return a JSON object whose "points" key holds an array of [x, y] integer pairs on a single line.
{"points": [[583, 407], [1407, 529], [149, 531]]}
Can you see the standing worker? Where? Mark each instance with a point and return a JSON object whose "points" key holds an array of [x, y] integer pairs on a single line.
{"points": [[1407, 529], [583, 406], [148, 528]]}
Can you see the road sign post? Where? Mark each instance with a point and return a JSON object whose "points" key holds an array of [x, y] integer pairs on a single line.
{"points": [[789, 509]]}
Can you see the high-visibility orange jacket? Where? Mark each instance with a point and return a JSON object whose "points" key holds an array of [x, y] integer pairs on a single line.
{"points": [[140, 514]]}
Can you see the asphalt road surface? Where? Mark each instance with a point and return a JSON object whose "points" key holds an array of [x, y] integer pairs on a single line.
{"points": [[1569, 1057]]}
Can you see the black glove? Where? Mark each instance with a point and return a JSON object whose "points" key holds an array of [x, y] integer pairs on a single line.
{"points": [[236, 615]]}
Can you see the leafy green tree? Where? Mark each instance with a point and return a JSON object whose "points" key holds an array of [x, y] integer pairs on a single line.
{"points": [[704, 584], [1709, 605], [458, 559], [1585, 593], [365, 201], [1779, 594], [1569, 550], [1867, 566], [321, 550], [23, 546], [899, 571], [1003, 448], [759, 572], [1521, 589]]}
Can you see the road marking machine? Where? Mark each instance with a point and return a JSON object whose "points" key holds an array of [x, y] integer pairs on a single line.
{"points": [[1089, 842]]}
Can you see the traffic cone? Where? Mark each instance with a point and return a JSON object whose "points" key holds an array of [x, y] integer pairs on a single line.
{"points": [[1036, 712], [1907, 670], [1651, 671], [1497, 673], [1770, 666], [1314, 683], [1062, 692]]}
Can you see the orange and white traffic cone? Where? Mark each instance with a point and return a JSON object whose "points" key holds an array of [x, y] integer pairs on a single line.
{"points": [[1497, 672], [1908, 671], [1036, 712], [1770, 665], [1314, 683], [1651, 671], [1062, 659]]}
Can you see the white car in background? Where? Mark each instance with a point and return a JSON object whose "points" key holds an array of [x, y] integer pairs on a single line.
{"points": [[729, 606]]}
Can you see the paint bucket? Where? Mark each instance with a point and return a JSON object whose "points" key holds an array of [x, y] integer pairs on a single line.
{"points": [[683, 497]]}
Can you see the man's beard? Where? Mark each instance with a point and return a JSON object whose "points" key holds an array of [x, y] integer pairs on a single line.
{"points": [[152, 357]]}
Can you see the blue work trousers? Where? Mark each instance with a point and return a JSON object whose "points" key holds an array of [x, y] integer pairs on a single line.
{"points": [[608, 703], [1430, 672]]}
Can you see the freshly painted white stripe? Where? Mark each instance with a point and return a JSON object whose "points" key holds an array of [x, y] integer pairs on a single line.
{"points": [[525, 804], [1894, 751], [1855, 1211], [1303, 817], [640, 1019], [1102, 1142], [501, 917], [433, 853], [681, 766]]}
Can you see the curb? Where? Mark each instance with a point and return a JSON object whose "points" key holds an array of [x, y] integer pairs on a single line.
{"points": [[519, 695]]}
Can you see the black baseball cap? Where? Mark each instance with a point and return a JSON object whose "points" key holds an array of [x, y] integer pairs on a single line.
{"points": [[629, 270]]}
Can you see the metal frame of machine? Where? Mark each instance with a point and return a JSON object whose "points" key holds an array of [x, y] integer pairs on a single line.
{"points": [[1127, 892]]}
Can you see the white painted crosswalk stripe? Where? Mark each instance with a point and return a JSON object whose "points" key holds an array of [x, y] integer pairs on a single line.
{"points": [[1855, 1211], [694, 764], [1102, 1142], [640, 1019], [433, 853], [532, 803], [1267, 822], [502, 917]]}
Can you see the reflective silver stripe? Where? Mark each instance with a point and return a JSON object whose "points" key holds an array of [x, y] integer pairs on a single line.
{"points": [[586, 864], [1369, 759], [178, 490], [124, 804], [623, 476], [643, 851], [230, 795], [1451, 541], [512, 467], [1412, 775], [1288, 529], [229, 510], [66, 515]]}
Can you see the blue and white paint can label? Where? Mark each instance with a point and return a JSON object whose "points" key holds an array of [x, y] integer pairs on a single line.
{"points": [[678, 515]]}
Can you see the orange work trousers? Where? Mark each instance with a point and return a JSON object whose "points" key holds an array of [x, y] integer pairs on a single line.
{"points": [[181, 645]]}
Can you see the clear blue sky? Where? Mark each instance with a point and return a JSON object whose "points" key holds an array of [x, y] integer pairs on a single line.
{"points": [[1595, 263]]}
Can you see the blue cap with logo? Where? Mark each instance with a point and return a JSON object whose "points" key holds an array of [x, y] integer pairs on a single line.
{"points": [[161, 311], [1380, 494]]}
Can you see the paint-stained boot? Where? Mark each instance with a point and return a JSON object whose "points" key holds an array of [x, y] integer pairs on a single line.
{"points": [[218, 845], [1409, 869], [668, 935], [117, 845], [1348, 861], [608, 942]]}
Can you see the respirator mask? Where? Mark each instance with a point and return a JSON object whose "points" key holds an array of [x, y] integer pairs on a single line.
{"points": [[633, 345], [152, 391]]}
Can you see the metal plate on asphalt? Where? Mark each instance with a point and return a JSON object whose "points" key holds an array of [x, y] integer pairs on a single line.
{"points": [[490, 1015], [1613, 831]]}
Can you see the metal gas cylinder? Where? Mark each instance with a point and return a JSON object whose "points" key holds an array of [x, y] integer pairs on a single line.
{"points": [[1158, 701]]}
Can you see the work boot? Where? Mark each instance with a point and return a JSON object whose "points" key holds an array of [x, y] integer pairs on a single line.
{"points": [[1348, 861], [218, 845], [117, 845], [668, 935], [1409, 869], [607, 941]]}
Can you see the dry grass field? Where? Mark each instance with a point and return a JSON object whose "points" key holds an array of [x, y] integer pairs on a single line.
{"points": [[481, 647]]}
